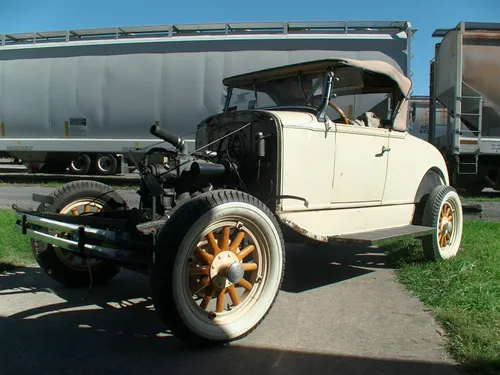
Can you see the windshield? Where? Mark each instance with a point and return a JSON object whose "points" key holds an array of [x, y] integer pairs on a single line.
{"points": [[305, 90]]}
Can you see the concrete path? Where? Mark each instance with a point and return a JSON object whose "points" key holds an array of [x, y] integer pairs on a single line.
{"points": [[340, 311]]}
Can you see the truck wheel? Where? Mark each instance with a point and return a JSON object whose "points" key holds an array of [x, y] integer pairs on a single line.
{"points": [[67, 267], [218, 266], [106, 164], [443, 211], [80, 165]]}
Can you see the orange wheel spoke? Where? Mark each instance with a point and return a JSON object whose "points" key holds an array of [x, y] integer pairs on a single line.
{"points": [[204, 255], [237, 241], [220, 300], [245, 284], [198, 271], [202, 284], [245, 252], [450, 218], [204, 303], [74, 211], [234, 297], [86, 208], [213, 243], [250, 266], [225, 238]]}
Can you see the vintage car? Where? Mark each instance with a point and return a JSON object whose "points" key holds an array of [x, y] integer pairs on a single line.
{"points": [[282, 162]]}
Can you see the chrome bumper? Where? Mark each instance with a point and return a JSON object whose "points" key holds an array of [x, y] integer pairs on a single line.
{"points": [[126, 247]]}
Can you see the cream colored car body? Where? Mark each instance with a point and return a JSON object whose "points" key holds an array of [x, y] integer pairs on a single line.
{"points": [[350, 184], [352, 178]]}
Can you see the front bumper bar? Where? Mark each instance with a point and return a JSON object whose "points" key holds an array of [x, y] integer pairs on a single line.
{"points": [[92, 242]]}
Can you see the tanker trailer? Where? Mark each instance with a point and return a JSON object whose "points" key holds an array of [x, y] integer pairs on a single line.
{"points": [[465, 80], [80, 98]]}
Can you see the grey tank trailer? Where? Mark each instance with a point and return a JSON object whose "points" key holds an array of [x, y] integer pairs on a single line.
{"points": [[465, 87], [80, 98]]}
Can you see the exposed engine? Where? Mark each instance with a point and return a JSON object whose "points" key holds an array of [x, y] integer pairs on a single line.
{"points": [[233, 150]]}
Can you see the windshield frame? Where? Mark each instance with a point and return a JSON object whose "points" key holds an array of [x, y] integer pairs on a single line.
{"points": [[319, 111]]}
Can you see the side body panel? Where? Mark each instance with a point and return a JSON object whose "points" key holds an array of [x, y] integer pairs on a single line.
{"points": [[409, 159], [313, 173], [308, 157], [360, 165]]}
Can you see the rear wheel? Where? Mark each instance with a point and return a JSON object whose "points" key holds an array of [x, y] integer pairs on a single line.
{"points": [[219, 263], [67, 267], [106, 164], [443, 211], [80, 165]]}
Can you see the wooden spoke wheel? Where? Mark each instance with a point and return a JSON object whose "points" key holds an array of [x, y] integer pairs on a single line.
{"points": [[70, 258], [225, 268], [445, 225], [443, 211], [67, 267], [219, 262]]}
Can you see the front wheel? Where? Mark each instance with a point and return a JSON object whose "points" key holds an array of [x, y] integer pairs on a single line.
{"points": [[443, 211], [219, 263]]}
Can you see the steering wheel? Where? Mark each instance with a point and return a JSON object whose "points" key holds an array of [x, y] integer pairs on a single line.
{"points": [[339, 111]]}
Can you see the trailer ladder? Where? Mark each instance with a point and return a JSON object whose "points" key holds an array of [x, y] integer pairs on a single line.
{"points": [[468, 163]]}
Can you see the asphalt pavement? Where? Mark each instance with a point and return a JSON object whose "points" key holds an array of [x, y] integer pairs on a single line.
{"points": [[22, 196], [340, 311]]}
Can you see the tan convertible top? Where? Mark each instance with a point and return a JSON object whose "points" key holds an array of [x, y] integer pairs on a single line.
{"points": [[375, 66]]}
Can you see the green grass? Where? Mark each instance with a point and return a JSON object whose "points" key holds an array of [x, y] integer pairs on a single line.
{"points": [[15, 249], [463, 293], [493, 197]]}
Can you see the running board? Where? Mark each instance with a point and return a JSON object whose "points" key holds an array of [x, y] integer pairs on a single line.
{"points": [[376, 236]]}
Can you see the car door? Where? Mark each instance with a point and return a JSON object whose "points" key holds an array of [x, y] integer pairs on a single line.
{"points": [[360, 165]]}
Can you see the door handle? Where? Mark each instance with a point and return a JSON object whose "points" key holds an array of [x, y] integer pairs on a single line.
{"points": [[385, 149]]}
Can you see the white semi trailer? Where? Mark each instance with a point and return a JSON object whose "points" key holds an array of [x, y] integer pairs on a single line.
{"points": [[420, 117], [80, 98], [465, 82]]}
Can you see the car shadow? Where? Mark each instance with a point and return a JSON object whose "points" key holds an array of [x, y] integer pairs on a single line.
{"points": [[114, 330], [307, 267], [313, 266]]}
